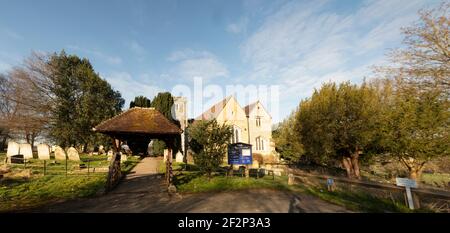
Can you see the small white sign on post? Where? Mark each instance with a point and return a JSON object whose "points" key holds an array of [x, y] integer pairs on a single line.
{"points": [[408, 184]]}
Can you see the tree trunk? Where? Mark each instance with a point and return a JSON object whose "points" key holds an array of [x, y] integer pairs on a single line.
{"points": [[355, 164], [415, 172], [348, 166]]}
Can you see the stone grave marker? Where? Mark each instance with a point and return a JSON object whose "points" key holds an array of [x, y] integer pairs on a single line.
{"points": [[101, 150], [13, 149], [179, 157], [190, 158], [110, 155], [123, 157], [60, 154], [73, 155], [43, 151], [25, 150]]}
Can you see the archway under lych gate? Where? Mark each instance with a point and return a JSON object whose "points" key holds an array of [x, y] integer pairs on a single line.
{"points": [[138, 125]]}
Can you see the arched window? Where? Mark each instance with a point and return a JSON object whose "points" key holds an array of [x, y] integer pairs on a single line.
{"points": [[260, 143], [236, 134]]}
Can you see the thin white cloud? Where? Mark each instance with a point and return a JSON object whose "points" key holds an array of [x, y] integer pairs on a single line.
{"points": [[113, 60], [129, 87], [136, 48], [302, 44], [238, 27], [192, 63], [11, 34]]}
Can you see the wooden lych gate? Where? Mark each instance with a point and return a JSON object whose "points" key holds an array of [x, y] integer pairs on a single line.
{"points": [[138, 125]]}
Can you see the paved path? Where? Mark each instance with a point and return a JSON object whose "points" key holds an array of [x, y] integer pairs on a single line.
{"points": [[144, 191]]}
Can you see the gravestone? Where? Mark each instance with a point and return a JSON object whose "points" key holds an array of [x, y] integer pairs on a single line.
{"points": [[190, 158], [13, 149], [73, 155], [110, 155], [25, 150], [179, 157], [43, 151], [150, 148], [123, 157], [60, 154], [101, 150]]}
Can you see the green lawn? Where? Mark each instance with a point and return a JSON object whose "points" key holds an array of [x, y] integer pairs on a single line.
{"points": [[194, 182], [34, 190]]}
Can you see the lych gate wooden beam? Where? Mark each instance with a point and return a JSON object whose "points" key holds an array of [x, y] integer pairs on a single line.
{"points": [[138, 124]]}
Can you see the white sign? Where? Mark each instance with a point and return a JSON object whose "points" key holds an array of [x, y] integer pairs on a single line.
{"points": [[404, 182], [408, 184], [245, 152]]}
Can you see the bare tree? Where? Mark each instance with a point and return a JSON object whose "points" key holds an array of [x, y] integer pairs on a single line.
{"points": [[425, 59], [26, 100]]}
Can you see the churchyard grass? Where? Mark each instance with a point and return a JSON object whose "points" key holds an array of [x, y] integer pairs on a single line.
{"points": [[359, 201], [28, 187], [193, 182]]}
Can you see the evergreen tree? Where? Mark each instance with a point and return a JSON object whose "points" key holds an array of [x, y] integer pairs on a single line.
{"points": [[83, 100], [209, 140], [140, 101], [338, 123]]}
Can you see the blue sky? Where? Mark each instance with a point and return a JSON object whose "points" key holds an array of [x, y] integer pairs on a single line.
{"points": [[142, 47]]}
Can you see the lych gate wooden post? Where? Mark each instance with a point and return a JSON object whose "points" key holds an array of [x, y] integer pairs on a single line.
{"points": [[147, 123], [114, 173], [169, 171]]}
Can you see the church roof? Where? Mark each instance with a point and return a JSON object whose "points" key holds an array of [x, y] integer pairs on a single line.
{"points": [[138, 120], [214, 111]]}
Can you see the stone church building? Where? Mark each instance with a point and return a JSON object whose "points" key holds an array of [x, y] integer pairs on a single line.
{"points": [[251, 124]]}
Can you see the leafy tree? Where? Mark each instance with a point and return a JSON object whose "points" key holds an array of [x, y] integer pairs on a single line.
{"points": [[417, 127], [140, 101], [418, 111], [158, 147], [209, 140], [338, 123], [288, 140], [82, 98]]}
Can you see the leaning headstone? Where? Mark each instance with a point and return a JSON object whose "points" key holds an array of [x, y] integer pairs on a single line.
{"points": [[43, 151], [60, 154], [73, 155], [13, 149], [25, 150], [179, 157]]}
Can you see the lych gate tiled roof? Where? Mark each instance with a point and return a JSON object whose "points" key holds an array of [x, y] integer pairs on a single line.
{"points": [[139, 120]]}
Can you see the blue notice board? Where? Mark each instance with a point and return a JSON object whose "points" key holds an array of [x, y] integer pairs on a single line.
{"points": [[240, 153]]}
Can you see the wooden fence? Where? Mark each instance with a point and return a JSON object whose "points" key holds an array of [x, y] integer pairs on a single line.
{"points": [[434, 199]]}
